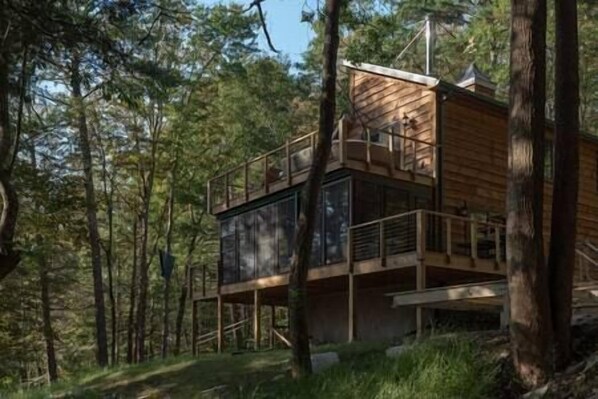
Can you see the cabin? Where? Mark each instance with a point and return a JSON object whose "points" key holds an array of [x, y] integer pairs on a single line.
{"points": [[411, 221]]}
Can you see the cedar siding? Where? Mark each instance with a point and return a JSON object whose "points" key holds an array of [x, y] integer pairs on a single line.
{"points": [[474, 169]]}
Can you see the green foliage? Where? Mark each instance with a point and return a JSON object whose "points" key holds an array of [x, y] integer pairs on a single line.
{"points": [[438, 368]]}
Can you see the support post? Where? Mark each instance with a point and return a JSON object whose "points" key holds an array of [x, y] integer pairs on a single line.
{"points": [[272, 325], [420, 277], [351, 310], [391, 152], [220, 333], [368, 148], [257, 318], [194, 327], [288, 165], [382, 244]]}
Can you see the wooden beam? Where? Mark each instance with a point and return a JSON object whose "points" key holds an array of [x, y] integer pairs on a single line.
{"points": [[430, 296], [257, 318], [272, 325], [351, 309], [220, 311]]}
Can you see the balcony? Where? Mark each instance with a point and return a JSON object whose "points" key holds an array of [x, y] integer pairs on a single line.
{"points": [[429, 242], [376, 150]]}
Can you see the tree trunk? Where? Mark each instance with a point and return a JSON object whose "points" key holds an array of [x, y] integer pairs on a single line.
{"points": [[561, 261], [91, 211], [527, 273], [301, 359], [169, 231], [132, 298], [183, 297], [147, 189], [47, 319], [9, 257]]}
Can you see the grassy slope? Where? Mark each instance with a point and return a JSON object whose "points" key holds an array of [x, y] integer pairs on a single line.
{"points": [[439, 368]]}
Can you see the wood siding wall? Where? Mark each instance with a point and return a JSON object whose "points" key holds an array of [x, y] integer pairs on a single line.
{"points": [[475, 165], [380, 101]]}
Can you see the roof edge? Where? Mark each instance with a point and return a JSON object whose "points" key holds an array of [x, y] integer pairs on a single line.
{"points": [[392, 73]]}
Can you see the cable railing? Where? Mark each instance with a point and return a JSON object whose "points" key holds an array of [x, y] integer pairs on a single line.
{"points": [[421, 230], [277, 169], [586, 262]]}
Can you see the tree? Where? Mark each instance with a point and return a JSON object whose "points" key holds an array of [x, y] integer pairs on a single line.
{"points": [[526, 271], [297, 299], [91, 212], [561, 261]]}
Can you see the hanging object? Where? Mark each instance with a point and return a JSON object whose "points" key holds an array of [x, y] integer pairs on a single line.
{"points": [[166, 263], [307, 16]]}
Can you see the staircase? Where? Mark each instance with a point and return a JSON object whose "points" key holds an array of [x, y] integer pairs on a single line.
{"points": [[585, 283]]}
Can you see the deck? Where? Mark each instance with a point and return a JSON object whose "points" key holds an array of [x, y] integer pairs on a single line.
{"points": [[380, 151], [420, 240]]}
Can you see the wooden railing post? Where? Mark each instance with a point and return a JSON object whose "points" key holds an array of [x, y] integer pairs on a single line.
{"points": [[246, 180], [402, 152], [382, 244], [391, 153], [288, 156], [473, 236], [351, 309], [414, 161], [342, 150], [449, 238], [421, 234], [226, 191], [368, 148], [266, 183]]}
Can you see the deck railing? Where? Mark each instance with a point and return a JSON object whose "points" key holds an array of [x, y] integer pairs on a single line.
{"points": [[279, 168], [586, 267], [421, 230]]}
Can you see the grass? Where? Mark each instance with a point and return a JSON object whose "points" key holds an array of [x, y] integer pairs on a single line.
{"points": [[437, 368]]}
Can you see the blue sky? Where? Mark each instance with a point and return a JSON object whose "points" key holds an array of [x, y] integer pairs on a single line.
{"points": [[283, 17]]}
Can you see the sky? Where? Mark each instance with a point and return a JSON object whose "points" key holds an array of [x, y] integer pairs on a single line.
{"points": [[283, 17]]}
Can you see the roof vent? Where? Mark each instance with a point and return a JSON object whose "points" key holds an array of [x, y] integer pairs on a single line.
{"points": [[477, 81]]}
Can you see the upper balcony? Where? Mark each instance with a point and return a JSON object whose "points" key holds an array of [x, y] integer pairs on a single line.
{"points": [[390, 150]]}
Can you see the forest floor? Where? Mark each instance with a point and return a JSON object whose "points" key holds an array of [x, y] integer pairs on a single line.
{"points": [[465, 365]]}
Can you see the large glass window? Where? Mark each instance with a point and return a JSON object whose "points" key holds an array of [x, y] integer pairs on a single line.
{"points": [[286, 233], [368, 201], [267, 254], [336, 221], [246, 234], [228, 243]]}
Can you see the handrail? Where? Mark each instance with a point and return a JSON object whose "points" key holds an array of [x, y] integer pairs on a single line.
{"points": [[427, 212], [235, 183], [429, 231], [282, 338]]}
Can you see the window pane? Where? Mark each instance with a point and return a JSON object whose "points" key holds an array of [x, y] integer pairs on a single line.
{"points": [[266, 240], [368, 201], [336, 207], [286, 231], [246, 236], [316, 244], [228, 251]]}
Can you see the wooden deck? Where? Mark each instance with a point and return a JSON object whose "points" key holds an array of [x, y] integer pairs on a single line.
{"points": [[380, 151]]}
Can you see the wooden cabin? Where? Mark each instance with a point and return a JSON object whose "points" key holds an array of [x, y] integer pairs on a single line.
{"points": [[413, 203]]}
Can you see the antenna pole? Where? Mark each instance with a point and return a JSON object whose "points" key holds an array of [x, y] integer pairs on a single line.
{"points": [[430, 45]]}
